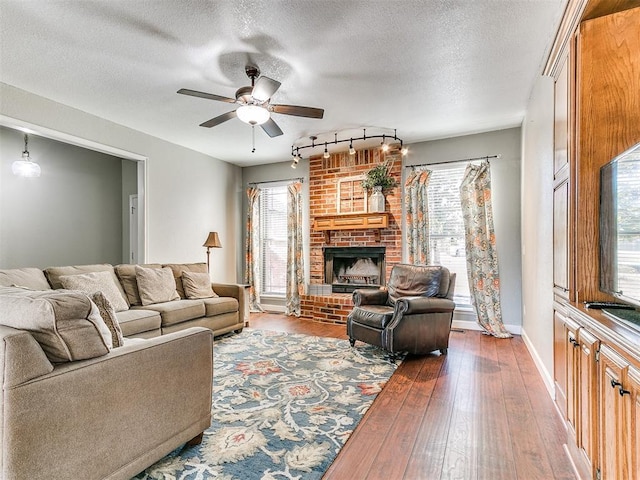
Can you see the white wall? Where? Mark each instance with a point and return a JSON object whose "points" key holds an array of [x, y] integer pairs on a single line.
{"points": [[505, 191], [537, 227], [188, 193], [72, 213]]}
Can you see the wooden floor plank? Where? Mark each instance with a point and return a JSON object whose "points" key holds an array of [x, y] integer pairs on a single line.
{"points": [[392, 460], [495, 452], [550, 424], [428, 451], [481, 411], [460, 459], [531, 460]]}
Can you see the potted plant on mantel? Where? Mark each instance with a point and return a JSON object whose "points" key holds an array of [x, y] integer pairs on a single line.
{"points": [[378, 179]]}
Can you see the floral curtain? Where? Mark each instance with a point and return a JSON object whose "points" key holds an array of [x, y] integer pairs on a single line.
{"points": [[417, 216], [295, 260], [252, 273], [480, 242]]}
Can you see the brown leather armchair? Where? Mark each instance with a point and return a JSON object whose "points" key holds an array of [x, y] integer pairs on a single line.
{"points": [[413, 314]]}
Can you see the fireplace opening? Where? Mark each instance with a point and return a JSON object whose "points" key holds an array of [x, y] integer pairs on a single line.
{"points": [[349, 268]]}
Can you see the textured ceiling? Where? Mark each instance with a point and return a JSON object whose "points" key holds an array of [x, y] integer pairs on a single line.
{"points": [[430, 69]]}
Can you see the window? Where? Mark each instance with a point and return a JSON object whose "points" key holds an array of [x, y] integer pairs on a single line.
{"points": [[273, 240], [446, 227]]}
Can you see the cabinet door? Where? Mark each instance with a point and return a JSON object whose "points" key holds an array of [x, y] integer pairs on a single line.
{"points": [[614, 418], [587, 428], [633, 439], [561, 119], [560, 361], [561, 238], [572, 377]]}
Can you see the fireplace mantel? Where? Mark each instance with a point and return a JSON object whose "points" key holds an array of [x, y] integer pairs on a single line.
{"points": [[351, 221]]}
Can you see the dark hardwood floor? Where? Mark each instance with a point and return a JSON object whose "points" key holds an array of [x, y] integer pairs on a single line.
{"points": [[479, 412]]}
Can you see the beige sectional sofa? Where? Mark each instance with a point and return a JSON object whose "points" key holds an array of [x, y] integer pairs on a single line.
{"points": [[222, 313], [79, 399]]}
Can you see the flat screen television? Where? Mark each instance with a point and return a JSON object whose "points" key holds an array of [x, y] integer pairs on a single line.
{"points": [[620, 227]]}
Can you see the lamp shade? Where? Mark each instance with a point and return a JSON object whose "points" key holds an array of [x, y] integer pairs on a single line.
{"points": [[212, 241]]}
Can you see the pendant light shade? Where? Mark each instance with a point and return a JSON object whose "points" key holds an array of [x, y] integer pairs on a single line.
{"points": [[25, 167]]}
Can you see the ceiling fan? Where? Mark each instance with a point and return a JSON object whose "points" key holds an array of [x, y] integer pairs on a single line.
{"points": [[255, 107]]}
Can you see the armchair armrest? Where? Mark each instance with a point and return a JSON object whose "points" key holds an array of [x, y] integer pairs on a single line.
{"points": [[370, 296], [415, 305]]}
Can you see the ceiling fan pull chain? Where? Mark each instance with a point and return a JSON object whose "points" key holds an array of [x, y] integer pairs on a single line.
{"points": [[253, 138]]}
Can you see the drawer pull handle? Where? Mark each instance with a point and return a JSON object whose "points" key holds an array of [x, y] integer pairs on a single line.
{"points": [[574, 342], [623, 392], [615, 384]]}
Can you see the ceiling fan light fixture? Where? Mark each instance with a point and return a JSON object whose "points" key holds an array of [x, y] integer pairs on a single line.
{"points": [[253, 114]]}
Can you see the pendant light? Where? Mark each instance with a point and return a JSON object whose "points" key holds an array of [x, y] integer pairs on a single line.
{"points": [[25, 167]]}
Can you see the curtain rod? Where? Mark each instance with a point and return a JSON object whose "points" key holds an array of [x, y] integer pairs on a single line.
{"points": [[301, 179], [486, 157]]}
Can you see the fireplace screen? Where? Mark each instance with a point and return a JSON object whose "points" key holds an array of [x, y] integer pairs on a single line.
{"points": [[348, 268]]}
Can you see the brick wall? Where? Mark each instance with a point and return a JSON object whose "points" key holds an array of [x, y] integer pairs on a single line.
{"points": [[323, 177]]}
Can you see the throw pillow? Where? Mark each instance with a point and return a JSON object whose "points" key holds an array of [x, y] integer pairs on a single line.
{"points": [[156, 285], [90, 283], [197, 285], [108, 314], [67, 325], [29, 277]]}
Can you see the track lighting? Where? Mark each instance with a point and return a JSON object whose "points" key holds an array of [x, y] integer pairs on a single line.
{"points": [[296, 159], [385, 146]]}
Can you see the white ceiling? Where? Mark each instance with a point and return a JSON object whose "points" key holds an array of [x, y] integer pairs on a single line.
{"points": [[430, 69]]}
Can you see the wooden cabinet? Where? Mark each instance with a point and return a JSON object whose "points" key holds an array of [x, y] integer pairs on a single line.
{"points": [[587, 379], [615, 416]]}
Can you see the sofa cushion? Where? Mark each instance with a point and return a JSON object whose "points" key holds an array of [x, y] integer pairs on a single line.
{"points": [[178, 311], [127, 275], [92, 282], [219, 305], [156, 285], [66, 324], [178, 268], [108, 314], [136, 321], [376, 316], [53, 274], [29, 277], [197, 285]]}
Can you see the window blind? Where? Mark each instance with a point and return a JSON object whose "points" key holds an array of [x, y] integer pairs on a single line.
{"points": [[273, 240], [446, 227]]}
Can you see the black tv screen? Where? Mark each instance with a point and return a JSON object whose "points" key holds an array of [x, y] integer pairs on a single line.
{"points": [[620, 227]]}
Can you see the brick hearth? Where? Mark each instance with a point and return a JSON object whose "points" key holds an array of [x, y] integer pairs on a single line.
{"points": [[323, 177]]}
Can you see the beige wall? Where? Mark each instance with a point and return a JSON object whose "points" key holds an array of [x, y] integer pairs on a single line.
{"points": [[537, 227]]}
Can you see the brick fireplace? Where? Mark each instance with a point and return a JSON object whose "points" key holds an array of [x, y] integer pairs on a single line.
{"points": [[324, 175]]}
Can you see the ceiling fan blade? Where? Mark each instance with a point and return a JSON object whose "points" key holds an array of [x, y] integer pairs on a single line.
{"points": [[209, 96], [264, 88], [271, 128], [219, 119], [298, 111]]}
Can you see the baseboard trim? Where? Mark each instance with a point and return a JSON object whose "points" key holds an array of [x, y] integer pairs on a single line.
{"points": [[547, 378]]}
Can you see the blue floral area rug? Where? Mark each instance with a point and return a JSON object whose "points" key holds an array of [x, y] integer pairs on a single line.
{"points": [[283, 406]]}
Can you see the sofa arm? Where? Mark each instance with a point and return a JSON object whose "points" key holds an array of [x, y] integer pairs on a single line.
{"points": [[416, 305], [370, 296], [110, 416], [236, 291]]}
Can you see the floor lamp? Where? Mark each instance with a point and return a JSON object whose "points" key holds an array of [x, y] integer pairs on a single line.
{"points": [[212, 241]]}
